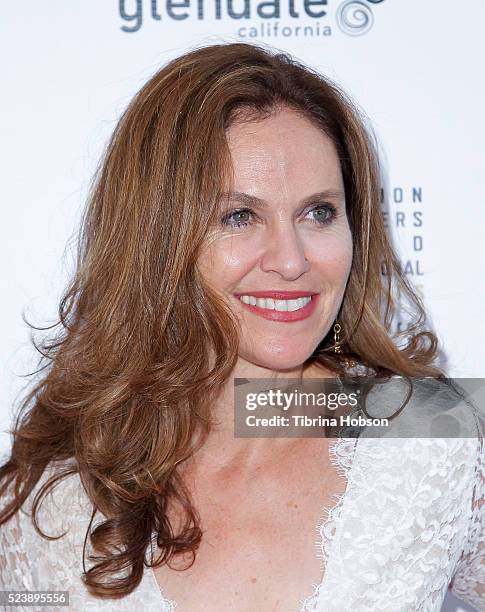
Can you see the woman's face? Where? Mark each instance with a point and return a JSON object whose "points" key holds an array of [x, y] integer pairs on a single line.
{"points": [[282, 251]]}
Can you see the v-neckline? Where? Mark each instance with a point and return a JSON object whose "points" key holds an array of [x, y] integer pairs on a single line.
{"points": [[341, 455]]}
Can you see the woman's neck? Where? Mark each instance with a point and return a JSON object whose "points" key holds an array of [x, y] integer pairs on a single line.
{"points": [[221, 450]]}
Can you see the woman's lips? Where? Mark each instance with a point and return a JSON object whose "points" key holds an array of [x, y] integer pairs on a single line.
{"points": [[281, 315]]}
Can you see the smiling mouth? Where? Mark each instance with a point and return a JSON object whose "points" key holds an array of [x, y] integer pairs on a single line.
{"points": [[284, 306]]}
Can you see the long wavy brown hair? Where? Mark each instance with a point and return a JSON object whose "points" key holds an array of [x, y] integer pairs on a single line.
{"points": [[142, 344]]}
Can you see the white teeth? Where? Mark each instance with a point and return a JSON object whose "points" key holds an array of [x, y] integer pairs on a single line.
{"points": [[294, 305], [280, 305]]}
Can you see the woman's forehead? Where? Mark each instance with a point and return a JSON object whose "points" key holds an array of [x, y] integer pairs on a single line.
{"points": [[282, 139], [277, 154]]}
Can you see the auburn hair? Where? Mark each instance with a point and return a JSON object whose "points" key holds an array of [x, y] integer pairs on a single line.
{"points": [[142, 344]]}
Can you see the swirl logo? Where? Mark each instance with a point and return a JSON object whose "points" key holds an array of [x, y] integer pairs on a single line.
{"points": [[355, 18]]}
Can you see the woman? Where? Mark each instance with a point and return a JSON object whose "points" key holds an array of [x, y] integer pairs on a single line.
{"points": [[233, 231]]}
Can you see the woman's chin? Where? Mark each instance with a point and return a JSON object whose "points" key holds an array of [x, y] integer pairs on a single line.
{"points": [[283, 362]]}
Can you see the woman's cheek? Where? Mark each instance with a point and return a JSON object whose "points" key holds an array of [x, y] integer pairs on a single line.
{"points": [[228, 259], [332, 252]]}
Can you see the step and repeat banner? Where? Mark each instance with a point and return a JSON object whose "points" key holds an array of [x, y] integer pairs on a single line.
{"points": [[415, 68]]}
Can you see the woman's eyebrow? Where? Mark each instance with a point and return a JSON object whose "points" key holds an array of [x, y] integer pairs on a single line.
{"points": [[250, 200]]}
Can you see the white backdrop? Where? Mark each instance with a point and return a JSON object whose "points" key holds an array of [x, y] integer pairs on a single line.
{"points": [[70, 68]]}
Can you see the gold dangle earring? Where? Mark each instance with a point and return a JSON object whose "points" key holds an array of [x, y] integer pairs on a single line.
{"points": [[337, 328]]}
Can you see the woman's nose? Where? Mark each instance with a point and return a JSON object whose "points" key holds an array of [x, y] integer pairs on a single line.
{"points": [[284, 252]]}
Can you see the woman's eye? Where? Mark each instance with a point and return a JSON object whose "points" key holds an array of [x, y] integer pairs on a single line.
{"points": [[322, 214], [237, 218]]}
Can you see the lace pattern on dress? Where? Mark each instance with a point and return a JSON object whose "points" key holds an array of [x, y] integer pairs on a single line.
{"points": [[469, 581], [341, 456]]}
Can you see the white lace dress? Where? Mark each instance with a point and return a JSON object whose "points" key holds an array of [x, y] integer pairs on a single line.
{"points": [[409, 524]]}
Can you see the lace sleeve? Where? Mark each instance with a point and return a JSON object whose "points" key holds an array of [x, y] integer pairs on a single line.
{"points": [[15, 570], [29, 561], [469, 581]]}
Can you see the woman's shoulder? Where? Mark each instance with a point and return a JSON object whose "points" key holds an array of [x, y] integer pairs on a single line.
{"points": [[425, 407], [31, 560], [61, 508]]}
